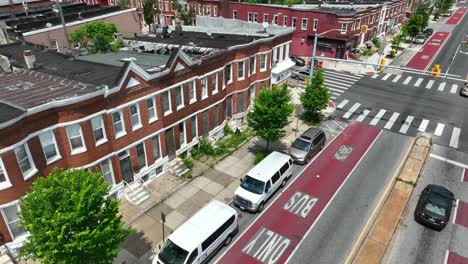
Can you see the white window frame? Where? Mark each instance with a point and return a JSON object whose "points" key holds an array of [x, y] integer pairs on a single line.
{"points": [[169, 111], [155, 112], [234, 14], [185, 134], [315, 25], [215, 11], [29, 173], [159, 147], [353, 26], [241, 78], [144, 153], [254, 70], [56, 44], [119, 134], [5, 218], [230, 73], [359, 24], [294, 22], [285, 21], [54, 142], [215, 88], [275, 20], [208, 10], [104, 139], [181, 89], [200, 9], [6, 184], [345, 27], [80, 149], [262, 69], [265, 18], [255, 17], [194, 86], [138, 125], [111, 170], [304, 27], [249, 17], [204, 85]]}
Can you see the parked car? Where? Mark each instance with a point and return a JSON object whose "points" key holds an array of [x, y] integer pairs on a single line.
{"points": [[200, 237], [434, 207], [428, 32], [299, 61], [420, 39], [307, 145], [262, 181], [464, 89], [300, 75], [447, 13]]}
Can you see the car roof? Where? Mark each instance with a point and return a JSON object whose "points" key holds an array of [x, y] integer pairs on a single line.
{"points": [[268, 166], [201, 225], [311, 133]]}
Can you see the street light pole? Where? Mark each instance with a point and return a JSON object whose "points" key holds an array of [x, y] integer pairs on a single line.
{"points": [[62, 19], [312, 64]]}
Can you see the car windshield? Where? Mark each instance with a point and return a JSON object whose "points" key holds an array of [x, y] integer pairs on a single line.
{"points": [[437, 204], [252, 185], [420, 37], [301, 144], [172, 253]]}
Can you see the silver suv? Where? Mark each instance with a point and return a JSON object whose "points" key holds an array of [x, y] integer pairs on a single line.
{"points": [[307, 145]]}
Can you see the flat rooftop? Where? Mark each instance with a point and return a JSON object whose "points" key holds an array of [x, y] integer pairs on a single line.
{"points": [[147, 61]]}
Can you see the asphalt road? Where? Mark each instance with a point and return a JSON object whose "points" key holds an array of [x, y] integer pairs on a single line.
{"points": [[334, 234], [414, 243]]}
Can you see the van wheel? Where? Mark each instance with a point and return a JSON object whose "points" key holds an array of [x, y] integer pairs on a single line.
{"points": [[260, 207], [228, 240], [283, 183]]}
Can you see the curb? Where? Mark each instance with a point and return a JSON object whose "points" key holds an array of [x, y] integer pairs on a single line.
{"points": [[372, 243]]}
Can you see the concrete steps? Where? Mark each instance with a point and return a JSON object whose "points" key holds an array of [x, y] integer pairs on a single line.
{"points": [[136, 193], [5, 259], [177, 167]]}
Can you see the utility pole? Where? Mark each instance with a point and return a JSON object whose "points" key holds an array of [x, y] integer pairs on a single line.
{"points": [[312, 64], [65, 31]]}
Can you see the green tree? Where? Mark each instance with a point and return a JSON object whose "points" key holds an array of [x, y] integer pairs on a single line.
{"points": [[123, 3], [183, 14], [270, 113], [70, 219], [148, 12], [423, 11], [414, 26], [96, 36], [315, 96]]}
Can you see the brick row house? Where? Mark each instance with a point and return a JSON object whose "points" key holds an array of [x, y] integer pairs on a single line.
{"points": [[126, 114], [338, 25]]}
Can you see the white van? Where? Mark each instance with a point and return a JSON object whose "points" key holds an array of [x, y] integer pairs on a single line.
{"points": [[262, 181], [200, 236]]}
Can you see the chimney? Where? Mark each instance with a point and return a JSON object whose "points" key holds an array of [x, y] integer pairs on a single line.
{"points": [[29, 58]]}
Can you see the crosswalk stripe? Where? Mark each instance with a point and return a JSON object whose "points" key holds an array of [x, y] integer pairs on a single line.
{"points": [[340, 83], [392, 120], [441, 86], [336, 86], [396, 78], [404, 128], [429, 84], [375, 76], [378, 117], [423, 125], [454, 88], [333, 97], [408, 79], [439, 129], [351, 111], [336, 90], [342, 104], [363, 115], [337, 94], [344, 75], [339, 79], [418, 82], [455, 137], [386, 76]]}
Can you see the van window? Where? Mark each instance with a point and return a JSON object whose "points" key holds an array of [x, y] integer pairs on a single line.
{"points": [[217, 233], [317, 139], [192, 256], [268, 185], [290, 162], [275, 178], [284, 168], [172, 253]]}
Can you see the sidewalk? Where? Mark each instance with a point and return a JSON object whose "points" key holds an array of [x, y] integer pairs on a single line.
{"points": [[180, 198]]}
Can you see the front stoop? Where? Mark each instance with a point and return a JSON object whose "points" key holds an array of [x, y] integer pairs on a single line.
{"points": [[136, 193], [177, 167]]}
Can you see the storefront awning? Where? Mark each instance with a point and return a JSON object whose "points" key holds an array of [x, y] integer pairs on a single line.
{"points": [[283, 66]]}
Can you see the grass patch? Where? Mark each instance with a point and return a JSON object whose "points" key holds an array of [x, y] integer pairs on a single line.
{"points": [[407, 182]]}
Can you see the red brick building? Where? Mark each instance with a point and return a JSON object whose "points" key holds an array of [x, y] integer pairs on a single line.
{"points": [[127, 115], [338, 25]]}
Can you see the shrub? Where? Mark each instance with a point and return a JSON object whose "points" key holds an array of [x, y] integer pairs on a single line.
{"points": [[376, 42], [188, 163], [227, 130]]}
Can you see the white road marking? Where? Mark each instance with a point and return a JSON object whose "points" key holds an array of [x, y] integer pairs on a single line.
{"points": [[455, 137], [378, 117], [340, 83], [408, 79], [456, 211], [423, 125], [454, 88], [386, 76], [333, 97], [446, 256], [456, 163], [463, 175], [342, 104], [337, 94], [406, 125], [337, 90], [351, 110], [352, 76], [418, 82], [375, 76], [439, 129], [429, 84], [363, 115], [339, 78], [392, 120], [396, 78], [336, 86], [441, 86]]}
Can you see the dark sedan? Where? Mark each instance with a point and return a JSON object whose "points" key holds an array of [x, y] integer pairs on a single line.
{"points": [[428, 32], [297, 60], [434, 207]]}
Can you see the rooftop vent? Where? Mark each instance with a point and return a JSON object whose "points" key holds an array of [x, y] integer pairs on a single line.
{"points": [[29, 58]]}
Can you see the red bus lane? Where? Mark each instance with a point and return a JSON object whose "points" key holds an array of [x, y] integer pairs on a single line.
{"points": [[454, 258], [457, 16], [277, 232], [423, 59]]}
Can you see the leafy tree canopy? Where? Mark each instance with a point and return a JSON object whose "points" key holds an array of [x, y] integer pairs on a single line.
{"points": [[148, 12], [270, 113], [96, 36], [316, 95], [70, 220]]}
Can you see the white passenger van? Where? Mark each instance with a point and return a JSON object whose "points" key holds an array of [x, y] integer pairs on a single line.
{"points": [[200, 236], [262, 181]]}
